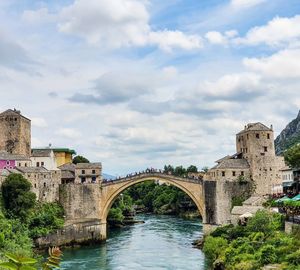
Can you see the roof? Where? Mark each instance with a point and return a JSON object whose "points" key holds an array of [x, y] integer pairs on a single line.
{"points": [[221, 159], [57, 150], [41, 152], [7, 156], [67, 175], [233, 164], [67, 167], [32, 169], [88, 165], [14, 112], [255, 127]]}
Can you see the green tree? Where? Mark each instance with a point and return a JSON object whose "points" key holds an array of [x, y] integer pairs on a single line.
{"points": [[205, 169], [18, 200], [214, 247], [179, 171], [292, 156], [192, 169], [80, 159]]}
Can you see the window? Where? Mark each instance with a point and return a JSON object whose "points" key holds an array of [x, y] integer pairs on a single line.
{"points": [[242, 173], [82, 179], [38, 164], [246, 150], [19, 164], [257, 135], [44, 184], [7, 162], [223, 173], [268, 135], [233, 173], [266, 149], [93, 179], [247, 136], [34, 185], [42, 163], [93, 171], [83, 171]]}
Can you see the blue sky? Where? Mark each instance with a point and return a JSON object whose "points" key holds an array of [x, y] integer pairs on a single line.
{"points": [[140, 83]]}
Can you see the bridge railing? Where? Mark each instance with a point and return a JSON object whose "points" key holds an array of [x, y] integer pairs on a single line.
{"points": [[152, 173]]}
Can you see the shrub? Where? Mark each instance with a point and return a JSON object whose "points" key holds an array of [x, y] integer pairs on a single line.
{"points": [[213, 247], [267, 255], [294, 258]]}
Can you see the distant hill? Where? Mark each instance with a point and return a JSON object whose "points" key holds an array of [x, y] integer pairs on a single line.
{"points": [[289, 136], [108, 176]]}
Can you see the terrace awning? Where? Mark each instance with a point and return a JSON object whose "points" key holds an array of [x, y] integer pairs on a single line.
{"points": [[283, 199], [296, 198]]}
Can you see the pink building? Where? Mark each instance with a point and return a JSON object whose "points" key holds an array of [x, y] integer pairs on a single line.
{"points": [[7, 164], [10, 161]]}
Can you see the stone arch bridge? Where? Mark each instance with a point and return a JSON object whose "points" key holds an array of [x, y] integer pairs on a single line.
{"points": [[87, 205]]}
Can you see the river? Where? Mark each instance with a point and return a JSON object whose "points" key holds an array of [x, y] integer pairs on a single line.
{"points": [[161, 243]]}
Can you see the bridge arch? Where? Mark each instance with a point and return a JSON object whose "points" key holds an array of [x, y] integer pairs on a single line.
{"points": [[110, 191]]}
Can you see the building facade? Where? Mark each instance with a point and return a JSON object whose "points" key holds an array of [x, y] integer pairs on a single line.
{"points": [[15, 135], [43, 158], [255, 159], [88, 173]]}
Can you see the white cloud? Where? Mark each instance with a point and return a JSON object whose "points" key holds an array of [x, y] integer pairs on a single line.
{"points": [[114, 24], [69, 133], [233, 85], [215, 37], [39, 122], [278, 31], [241, 4], [168, 40], [38, 16], [283, 64]]}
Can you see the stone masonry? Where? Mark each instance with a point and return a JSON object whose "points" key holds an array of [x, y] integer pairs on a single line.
{"points": [[15, 135]]}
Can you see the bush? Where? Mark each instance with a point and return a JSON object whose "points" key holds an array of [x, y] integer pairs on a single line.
{"points": [[267, 255], [294, 258], [115, 215], [214, 247], [45, 218]]}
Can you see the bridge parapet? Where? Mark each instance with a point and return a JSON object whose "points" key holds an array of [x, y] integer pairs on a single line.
{"points": [[155, 175]]}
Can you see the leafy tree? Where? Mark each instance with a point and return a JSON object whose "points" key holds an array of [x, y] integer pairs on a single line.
{"points": [[169, 169], [292, 156], [80, 159], [179, 171], [17, 197], [205, 169], [192, 169], [267, 255]]}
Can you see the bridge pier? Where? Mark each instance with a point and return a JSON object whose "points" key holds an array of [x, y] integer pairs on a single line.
{"points": [[103, 231]]}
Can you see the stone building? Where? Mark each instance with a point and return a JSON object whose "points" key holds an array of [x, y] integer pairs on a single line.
{"points": [[67, 173], [255, 159], [15, 135], [88, 173], [45, 183], [43, 158]]}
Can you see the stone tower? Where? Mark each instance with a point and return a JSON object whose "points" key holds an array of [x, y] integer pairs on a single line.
{"points": [[256, 143], [15, 133]]}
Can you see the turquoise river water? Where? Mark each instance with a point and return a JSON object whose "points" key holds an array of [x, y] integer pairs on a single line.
{"points": [[161, 243]]}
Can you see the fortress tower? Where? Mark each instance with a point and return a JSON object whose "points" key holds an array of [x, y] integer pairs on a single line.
{"points": [[256, 143], [15, 133]]}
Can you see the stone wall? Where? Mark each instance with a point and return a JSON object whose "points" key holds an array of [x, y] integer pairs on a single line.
{"points": [[84, 232], [15, 135], [226, 191], [80, 201]]}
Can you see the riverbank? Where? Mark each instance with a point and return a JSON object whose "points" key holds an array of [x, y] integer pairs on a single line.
{"points": [[260, 243]]}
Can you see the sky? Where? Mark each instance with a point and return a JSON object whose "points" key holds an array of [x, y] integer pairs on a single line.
{"points": [[143, 83]]}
